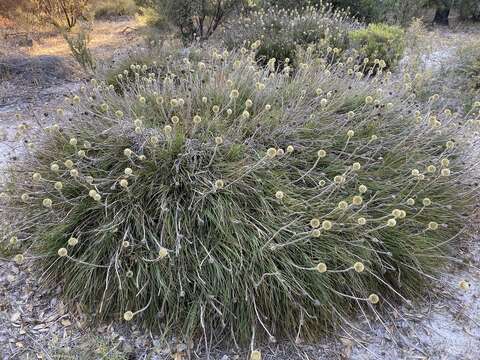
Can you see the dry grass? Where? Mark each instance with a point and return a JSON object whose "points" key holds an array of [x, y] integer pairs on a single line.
{"points": [[105, 37]]}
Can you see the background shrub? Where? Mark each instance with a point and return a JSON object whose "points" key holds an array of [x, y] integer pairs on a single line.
{"points": [[468, 61], [379, 41], [230, 201], [113, 8], [279, 31], [196, 19]]}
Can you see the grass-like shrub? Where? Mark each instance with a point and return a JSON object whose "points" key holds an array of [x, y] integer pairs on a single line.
{"points": [[234, 202], [278, 33], [379, 42]]}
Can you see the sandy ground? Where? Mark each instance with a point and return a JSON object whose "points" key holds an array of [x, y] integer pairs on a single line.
{"points": [[35, 324]]}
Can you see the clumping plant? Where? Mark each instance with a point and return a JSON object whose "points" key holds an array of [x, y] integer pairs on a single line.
{"points": [[237, 203], [379, 42], [154, 62], [277, 33]]}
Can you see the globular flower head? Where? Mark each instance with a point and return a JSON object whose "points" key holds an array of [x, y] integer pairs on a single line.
{"points": [[327, 225], [128, 315], [357, 200], [464, 285], [445, 172], [72, 241], [339, 179], [391, 222], [321, 267], [19, 259], [432, 225], [162, 252], [316, 233], [426, 202], [47, 203], [62, 252], [234, 94], [197, 119], [396, 213], [359, 267], [271, 153], [342, 205], [315, 223], [219, 184], [373, 298]]}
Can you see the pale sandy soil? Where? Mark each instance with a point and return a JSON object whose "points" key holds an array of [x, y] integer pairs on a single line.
{"points": [[35, 324]]}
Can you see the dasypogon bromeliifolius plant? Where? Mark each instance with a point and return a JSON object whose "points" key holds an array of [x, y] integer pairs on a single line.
{"points": [[225, 199]]}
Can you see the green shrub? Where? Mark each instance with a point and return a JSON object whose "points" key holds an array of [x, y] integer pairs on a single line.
{"points": [[196, 19], [468, 64], [150, 17], [469, 9], [458, 80], [279, 32], [113, 8], [379, 41], [227, 201]]}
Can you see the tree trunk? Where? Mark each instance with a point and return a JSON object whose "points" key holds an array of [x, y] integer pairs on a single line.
{"points": [[441, 16]]}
